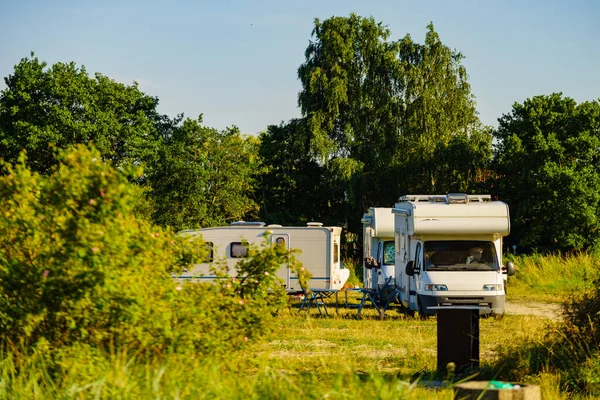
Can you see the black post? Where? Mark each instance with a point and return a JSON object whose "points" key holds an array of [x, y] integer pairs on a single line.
{"points": [[458, 338]]}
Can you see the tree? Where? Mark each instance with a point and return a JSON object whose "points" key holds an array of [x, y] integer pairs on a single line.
{"points": [[349, 98], [204, 177], [77, 268], [294, 188], [46, 108], [547, 162], [382, 114], [438, 113], [463, 163]]}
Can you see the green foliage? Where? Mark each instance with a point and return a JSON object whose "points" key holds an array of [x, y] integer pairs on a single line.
{"points": [[294, 188], [443, 146], [547, 162], [350, 101], [438, 103], [389, 117], [74, 264], [77, 268], [256, 276], [42, 108], [204, 177], [348, 86], [570, 348]]}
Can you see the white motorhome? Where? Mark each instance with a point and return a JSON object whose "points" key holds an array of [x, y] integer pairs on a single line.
{"points": [[449, 252], [378, 247], [319, 251]]}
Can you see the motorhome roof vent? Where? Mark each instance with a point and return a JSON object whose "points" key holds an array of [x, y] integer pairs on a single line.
{"points": [[248, 223], [480, 198], [458, 198], [317, 224], [450, 198], [414, 198], [437, 199], [274, 226]]}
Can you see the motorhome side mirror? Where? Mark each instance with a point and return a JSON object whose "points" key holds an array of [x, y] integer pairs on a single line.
{"points": [[510, 268], [410, 271]]}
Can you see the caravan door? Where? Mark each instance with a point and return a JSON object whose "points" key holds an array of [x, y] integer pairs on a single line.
{"points": [[283, 239]]}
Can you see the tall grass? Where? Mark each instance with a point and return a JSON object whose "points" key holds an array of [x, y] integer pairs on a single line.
{"points": [[553, 278], [339, 356], [569, 351], [307, 356]]}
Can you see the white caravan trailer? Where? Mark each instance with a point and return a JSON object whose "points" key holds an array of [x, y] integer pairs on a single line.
{"points": [[378, 247], [319, 251], [449, 252]]}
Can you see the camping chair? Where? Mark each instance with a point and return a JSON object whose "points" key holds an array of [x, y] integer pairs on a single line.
{"points": [[311, 298], [371, 295], [376, 297]]}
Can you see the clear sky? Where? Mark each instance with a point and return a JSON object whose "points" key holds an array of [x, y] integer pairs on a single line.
{"points": [[236, 61]]}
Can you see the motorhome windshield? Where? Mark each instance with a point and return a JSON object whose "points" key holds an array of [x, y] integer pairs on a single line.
{"points": [[460, 255]]}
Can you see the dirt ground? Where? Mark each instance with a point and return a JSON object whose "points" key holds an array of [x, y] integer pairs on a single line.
{"points": [[548, 310]]}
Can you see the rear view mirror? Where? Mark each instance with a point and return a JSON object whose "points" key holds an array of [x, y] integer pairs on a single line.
{"points": [[510, 268], [410, 270]]}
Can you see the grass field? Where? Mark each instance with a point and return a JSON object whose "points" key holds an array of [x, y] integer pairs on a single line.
{"points": [[310, 356], [307, 356]]}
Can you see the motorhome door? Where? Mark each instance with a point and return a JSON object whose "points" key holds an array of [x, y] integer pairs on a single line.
{"points": [[284, 273], [414, 283]]}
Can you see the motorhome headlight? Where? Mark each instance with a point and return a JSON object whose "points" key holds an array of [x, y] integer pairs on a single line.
{"points": [[435, 288], [492, 287]]}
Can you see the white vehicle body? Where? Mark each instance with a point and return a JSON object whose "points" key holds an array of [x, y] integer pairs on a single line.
{"points": [[378, 245], [434, 238], [319, 251]]}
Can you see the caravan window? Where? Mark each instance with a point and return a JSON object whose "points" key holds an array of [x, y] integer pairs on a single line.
{"points": [[336, 252], [209, 252], [238, 250]]}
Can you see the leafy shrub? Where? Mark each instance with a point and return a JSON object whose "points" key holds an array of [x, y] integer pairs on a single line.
{"points": [[240, 308], [76, 266], [570, 348], [356, 272]]}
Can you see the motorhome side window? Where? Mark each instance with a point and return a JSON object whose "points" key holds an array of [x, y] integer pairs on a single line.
{"points": [[460, 255], [238, 250], [389, 252], [209, 252], [336, 252]]}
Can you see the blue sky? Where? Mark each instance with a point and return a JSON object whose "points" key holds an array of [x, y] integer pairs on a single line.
{"points": [[236, 61]]}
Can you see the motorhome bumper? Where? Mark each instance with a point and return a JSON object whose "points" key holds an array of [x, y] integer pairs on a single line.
{"points": [[495, 303]]}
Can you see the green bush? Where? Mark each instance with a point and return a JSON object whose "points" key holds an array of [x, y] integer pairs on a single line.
{"points": [[356, 272], [77, 267], [571, 347]]}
